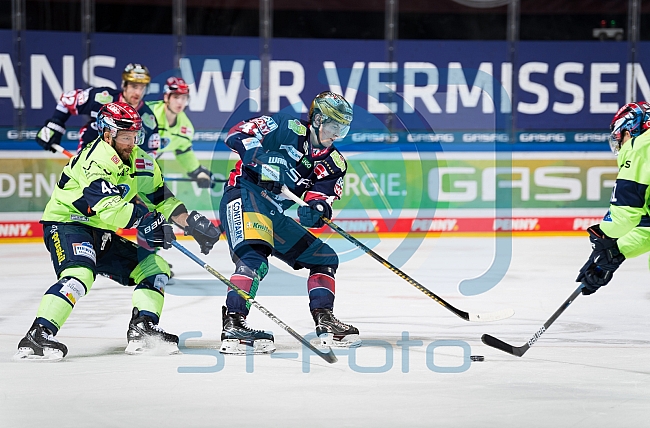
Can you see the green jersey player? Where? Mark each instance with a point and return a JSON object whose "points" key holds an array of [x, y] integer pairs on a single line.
{"points": [[176, 130], [625, 229], [93, 198]]}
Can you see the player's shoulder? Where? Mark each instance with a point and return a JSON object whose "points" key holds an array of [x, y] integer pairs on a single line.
{"points": [[148, 117], [99, 160], [103, 95], [334, 160], [142, 161]]}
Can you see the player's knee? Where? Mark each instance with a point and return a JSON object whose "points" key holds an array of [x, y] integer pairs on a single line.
{"points": [[253, 265], [81, 273], [156, 283], [69, 289], [151, 266], [324, 270]]}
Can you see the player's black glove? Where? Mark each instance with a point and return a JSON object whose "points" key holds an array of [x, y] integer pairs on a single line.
{"points": [[271, 168], [203, 231], [155, 230], [310, 216], [50, 134], [605, 258], [203, 177]]}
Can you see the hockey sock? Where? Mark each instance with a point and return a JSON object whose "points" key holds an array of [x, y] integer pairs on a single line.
{"points": [[321, 287], [149, 296], [58, 301]]}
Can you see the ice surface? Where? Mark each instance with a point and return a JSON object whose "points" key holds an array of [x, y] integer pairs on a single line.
{"points": [[591, 369]]}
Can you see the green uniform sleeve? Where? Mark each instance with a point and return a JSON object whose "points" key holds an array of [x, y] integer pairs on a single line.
{"points": [[630, 197], [635, 242]]}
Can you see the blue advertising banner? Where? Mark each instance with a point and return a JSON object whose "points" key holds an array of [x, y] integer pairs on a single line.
{"points": [[432, 86]]}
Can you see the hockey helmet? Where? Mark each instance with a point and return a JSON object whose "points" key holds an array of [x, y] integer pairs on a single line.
{"points": [[119, 117], [632, 117], [176, 85], [332, 107], [135, 73]]}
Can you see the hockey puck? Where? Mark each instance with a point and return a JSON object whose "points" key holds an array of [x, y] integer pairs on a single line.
{"points": [[477, 358]]}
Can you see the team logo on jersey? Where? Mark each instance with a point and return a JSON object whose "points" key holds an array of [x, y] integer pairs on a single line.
{"points": [[103, 97], [338, 187], [338, 160], [291, 151], [115, 159], [321, 171], [149, 120], [84, 249], [297, 127], [265, 124], [124, 189], [154, 141], [146, 164]]}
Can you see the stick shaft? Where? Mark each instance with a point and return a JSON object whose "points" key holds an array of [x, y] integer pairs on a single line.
{"points": [[327, 356]]}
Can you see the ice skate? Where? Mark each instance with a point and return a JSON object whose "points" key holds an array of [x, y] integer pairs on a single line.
{"points": [[333, 332], [238, 339], [39, 344], [145, 336]]}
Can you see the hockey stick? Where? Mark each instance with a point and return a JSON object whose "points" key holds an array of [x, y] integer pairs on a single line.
{"points": [[327, 356], [214, 180], [521, 350], [60, 149], [467, 316]]}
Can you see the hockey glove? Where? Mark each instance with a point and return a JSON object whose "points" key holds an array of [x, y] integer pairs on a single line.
{"points": [[50, 134], [605, 258], [270, 167], [203, 177], [156, 231], [203, 231], [310, 216]]}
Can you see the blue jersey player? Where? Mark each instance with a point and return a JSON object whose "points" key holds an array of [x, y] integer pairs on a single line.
{"points": [[276, 151]]}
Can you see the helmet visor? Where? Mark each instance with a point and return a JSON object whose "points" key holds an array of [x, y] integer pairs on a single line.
{"points": [[331, 129], [614, 142]]}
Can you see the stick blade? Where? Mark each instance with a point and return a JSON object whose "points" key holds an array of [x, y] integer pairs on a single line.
{"points": [[492, 316], [503, 346]]}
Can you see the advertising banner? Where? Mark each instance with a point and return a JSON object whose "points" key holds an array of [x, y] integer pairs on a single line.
{"points": [[388, 192], [439, 86]]}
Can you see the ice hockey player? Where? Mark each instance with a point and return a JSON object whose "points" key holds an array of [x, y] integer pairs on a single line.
{"points": [[93, 198], [87, 102], [276, 151], [625, 229], [176, 130]]}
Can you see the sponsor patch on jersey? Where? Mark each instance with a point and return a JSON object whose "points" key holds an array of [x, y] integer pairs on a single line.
{"points": [[250, 143], [115, 159], [103, 97], [338, 160], [74, 217], [73, 290], [306, 162], [234, 217], [338, 187], [258, 226], [291, 151], [84, 249], [185, 130], [321, 171], [297, 127], [265, 124], [149, 120], [146, 164]]}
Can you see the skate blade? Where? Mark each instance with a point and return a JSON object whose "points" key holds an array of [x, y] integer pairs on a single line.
{"points": [[27, 354], [243, 347], [329, 340], [139, 347]]}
